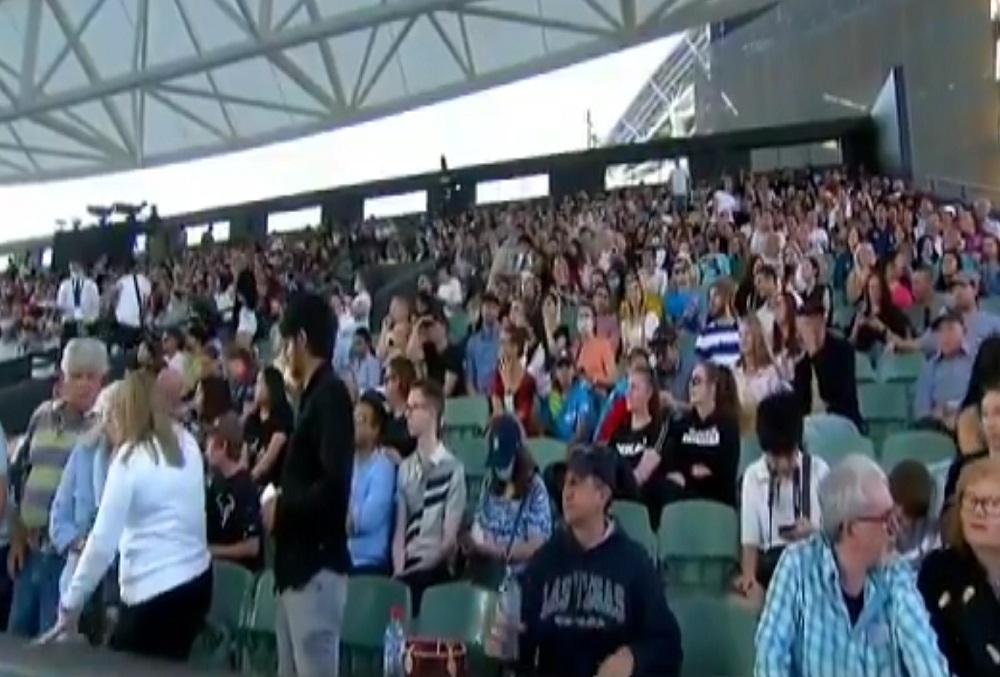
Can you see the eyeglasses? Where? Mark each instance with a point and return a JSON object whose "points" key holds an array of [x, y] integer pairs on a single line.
{"points": [[886, 519], [989, 505]]}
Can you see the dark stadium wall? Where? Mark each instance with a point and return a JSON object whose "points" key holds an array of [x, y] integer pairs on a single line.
{"points": [[814, 60], [891, 115]]}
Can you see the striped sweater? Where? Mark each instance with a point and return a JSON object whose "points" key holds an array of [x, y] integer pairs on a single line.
{"points": [[52, 434], [431, 491], [719, 343]]}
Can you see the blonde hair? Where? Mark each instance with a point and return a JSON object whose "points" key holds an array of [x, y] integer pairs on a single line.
{"points": [[140, 420], [987, 468], [757, 350]]}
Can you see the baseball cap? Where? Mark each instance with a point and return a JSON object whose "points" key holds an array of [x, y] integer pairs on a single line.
{"points": [[948, 315], [228, 429], [595, 462], [505, 439]]}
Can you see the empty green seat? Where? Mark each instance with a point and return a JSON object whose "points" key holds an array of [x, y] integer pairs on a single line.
{"points": [[545, 451], [831, 437], [370, 600], [716, 633], [260, 655], [232, 592], [750, 451], [925, 446], [466, 415], [885, 408], [863, 370], [471, 451], [821, 424], [633, 518], [458, 325], [460, 611], [901, 367], [698, 543]]}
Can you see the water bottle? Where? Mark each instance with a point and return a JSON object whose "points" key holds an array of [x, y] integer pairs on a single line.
{"points": [[393, 644], [509, 606]]}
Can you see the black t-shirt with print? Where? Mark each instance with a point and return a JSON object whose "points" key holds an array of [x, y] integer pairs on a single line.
{"points": [[629, 443], [258, 431], [232, 507], [713, 442]]}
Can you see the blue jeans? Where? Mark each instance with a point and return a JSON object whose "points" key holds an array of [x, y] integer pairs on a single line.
{"points": [[35, 604]]}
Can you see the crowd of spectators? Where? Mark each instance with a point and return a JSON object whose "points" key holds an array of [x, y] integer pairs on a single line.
{"points": [[633, 348]]}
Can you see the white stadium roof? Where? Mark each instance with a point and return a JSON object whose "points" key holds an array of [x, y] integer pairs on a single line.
{"points": [[96, 86]]}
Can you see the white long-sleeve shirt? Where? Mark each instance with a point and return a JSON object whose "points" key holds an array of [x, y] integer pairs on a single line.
{"points": [[89, 307], [153, 515]]}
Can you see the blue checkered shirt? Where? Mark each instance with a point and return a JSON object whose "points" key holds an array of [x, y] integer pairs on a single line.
{"points": [[805, 630]]}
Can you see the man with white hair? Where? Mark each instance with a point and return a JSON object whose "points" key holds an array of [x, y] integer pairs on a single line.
{"points": [[34, 562], [828, 585]]}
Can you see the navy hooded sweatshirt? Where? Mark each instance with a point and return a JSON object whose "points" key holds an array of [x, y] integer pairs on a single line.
{"points": [[581, 606]]}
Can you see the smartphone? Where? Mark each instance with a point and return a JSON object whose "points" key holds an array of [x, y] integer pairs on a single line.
{"points": [[785, 530]]}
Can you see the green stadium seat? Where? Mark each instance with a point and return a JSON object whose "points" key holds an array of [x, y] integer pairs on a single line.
{"points": [[717, 635], [466, 416], [260, 650], [864, 372], [471, 451], [698, 543], [545, 451], [885, 408], [925, 446], [633, 518], [370, 600], [218, 645], [460, 611], [750, 451], [901, 367]]}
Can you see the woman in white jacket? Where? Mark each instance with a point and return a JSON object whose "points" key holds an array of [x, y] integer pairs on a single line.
{"points": [[152, 514]]}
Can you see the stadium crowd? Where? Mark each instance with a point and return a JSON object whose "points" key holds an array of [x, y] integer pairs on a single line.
{"points": [[770, 403]]}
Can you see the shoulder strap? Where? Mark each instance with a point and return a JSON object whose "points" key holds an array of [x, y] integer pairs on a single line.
{"points": [[138, 300], [517, 521], [805, 487]]}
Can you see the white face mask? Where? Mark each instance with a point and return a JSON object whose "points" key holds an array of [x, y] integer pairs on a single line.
{"points": [[585, 325]]}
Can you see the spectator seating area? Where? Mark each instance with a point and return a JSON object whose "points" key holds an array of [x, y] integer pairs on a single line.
{"points": [[696, 547]]}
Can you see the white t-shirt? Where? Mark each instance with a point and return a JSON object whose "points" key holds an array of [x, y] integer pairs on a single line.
{"points": [[680, 182], [89, 307], [759, 524], [127, 310], [153, 515]]}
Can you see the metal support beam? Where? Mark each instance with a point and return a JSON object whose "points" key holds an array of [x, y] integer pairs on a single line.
{"points": [[274, 42]]}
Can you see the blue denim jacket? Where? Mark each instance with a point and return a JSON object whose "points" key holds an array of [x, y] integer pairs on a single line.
{"points": [[74, 506]]}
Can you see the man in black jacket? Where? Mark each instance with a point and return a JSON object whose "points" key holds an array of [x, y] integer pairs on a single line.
{"points": [[824, 379], [308, 515]]}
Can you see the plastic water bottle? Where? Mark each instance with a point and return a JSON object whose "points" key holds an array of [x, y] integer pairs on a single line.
{"points": [[393, 644], [509, 606]]}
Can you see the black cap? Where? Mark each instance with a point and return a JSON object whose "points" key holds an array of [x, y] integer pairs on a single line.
{"points": [[489, 297], [596, 462], [948, 315]]}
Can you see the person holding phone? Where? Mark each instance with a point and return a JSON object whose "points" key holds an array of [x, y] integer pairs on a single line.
{"points": [[779, 502]]}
